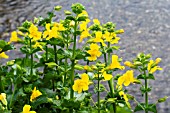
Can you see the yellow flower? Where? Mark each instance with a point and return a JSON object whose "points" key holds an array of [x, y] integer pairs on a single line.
{"points": [[126, 79], [107, 36], [107, 76], [96, 21], [152, 65], [61, 27], [115, 40], [115, 63], [37, 44], [3, 55], [34, 33], [26, 109], [51, 32], [84, 34], [127, 63], [158, 60], [35, 94], [81, 84], [84, 13], [98, 38], [14, 37], [94, 52], [3, 98]]}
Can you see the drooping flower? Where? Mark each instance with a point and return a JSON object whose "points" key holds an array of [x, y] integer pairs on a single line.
{"points": [[3, 55], [153, 65], [3, 98], [14, 37], [35, 94], [126, 78], [115, 63], [107, 76], [94, 52], [26, 109], [81, 84], [34, 33]]}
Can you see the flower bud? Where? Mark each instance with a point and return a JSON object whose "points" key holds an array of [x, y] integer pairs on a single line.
{"points": [[162, 99], [127, 63], [57, 8], [86, 67], [148, 56], [120, 31], [72, 23], [158, 60], [67, 12], [78, 67], [137, 63]]}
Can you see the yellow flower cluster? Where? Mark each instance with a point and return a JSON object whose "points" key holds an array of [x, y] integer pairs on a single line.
{"points": [[35, 94], [81, 84], [54, 31], [34, 33]]}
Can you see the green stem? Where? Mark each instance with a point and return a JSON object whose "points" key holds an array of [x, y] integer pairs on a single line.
{"points": [[46, 48], [31, 72], [56, 61], [73, 62], [11, 100], [110, 82], [65, 75], [87, 64], [98, 94], [1, 85], [146, 93]]}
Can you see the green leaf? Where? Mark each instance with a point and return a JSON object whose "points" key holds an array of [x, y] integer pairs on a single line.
{"points": [[152, 108], [141, 76], [151, 76], [112, 100], [70, 18], [82, 18], [139, 107], [39, 100], [80, 97], [51, 64], [116, 47]]}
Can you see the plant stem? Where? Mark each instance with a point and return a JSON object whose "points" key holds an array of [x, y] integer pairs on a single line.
{"points": [[1, 85], [11, 100], [56, 61], [146, 93], [110, 82], [31, 72], [46, 55], [87, 64], [65, 75], [98, 94], [73, 62]]}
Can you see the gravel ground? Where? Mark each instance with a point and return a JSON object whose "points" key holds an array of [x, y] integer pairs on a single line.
{"points": [[146, 24]]}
